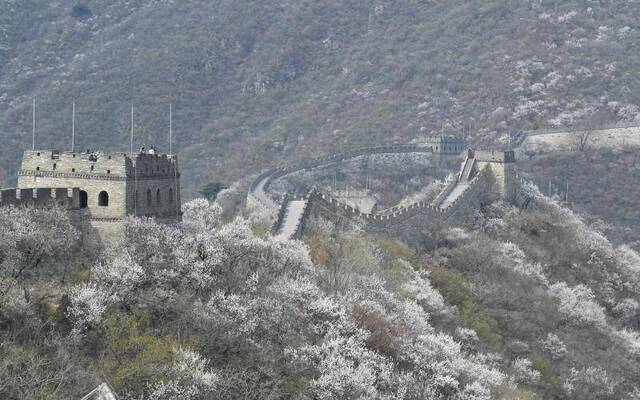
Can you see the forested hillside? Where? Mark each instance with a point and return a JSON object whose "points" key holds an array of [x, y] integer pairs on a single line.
{"points": [[535, 301], [525, 304], [604, 186], [253, 82]]}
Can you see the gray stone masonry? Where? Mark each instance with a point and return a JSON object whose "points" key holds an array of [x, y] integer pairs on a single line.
{"points": [[104, 187], [492, 177]]}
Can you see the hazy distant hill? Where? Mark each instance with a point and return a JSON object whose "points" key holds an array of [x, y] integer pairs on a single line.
{"points": [[604, 186], [253, 82]]}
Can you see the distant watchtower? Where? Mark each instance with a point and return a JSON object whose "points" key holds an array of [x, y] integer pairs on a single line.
{"points": [[111, 185], [447, 145]]}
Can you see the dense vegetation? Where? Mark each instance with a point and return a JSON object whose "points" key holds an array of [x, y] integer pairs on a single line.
{"points": [[534, 303], [603, 185], [526, 304], [255, 82]]}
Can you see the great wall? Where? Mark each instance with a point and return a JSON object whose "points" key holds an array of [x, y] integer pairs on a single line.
{"points": [[484, 176], [68, 198], [487, 176], [102, 188]]}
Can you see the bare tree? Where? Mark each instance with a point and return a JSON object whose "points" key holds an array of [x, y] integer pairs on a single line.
{"points": [[29, 239], [582, 138]]}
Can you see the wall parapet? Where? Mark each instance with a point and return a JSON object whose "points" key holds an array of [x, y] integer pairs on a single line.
{"points": [[258, 188], [281, 214], [428, 209], [68, 198], [317, 199], [553, 130]]}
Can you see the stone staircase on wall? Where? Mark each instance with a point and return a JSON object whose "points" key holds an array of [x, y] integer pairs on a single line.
{"points": [[291, 214], [292, 218], [460, 185], [467, 169]]}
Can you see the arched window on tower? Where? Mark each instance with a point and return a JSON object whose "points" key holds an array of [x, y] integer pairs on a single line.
{"points": [[103, 199], [84, 199], [170, 195], [149, 200], [158, 197]]}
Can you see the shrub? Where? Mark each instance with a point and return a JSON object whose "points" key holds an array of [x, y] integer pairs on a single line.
{"points": [[383, 335], [456, 292], [319, 249], [397, 249], [259, 231], [578, 305], [134, 355], [210, 190], [550, 379], [81, 11]]}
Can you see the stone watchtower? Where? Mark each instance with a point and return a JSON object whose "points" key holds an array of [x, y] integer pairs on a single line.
{"points": [[111, 185], [503, 168], [447, 145]]}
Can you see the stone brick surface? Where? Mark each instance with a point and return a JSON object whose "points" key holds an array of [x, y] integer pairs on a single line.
{"points": [[108, 186]]}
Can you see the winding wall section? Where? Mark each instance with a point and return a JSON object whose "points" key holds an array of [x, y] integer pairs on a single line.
{"points": [[477, 184], [321, 203]]}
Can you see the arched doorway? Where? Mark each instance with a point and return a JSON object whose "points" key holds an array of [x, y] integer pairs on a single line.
{"points": [[103, 199]]}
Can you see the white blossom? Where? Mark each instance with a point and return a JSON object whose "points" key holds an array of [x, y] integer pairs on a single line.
{"points": [[591, 381], [577, 304], [88, 305], [524, 371], [567, 16], [191, 379], [554, 346]]}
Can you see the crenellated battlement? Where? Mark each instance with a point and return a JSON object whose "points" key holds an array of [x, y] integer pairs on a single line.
{"points": [[41, 198], [495, 156], [89, 164], [399, 214], [488, 175], [97, 165], [153, 166], [447, 145]]}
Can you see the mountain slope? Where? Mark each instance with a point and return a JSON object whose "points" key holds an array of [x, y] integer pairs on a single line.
{"points": [[255, 82]]}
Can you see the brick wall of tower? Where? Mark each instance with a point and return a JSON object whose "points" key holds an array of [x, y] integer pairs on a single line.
{"points": [[502, 165], [107, 173], [116, 190], [118, 175], [156, 181]]}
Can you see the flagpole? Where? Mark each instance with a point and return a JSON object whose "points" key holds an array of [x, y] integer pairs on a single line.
{"points": [[33, 125], [131, 139], [73, 127], [135, 169], [170, 128]]}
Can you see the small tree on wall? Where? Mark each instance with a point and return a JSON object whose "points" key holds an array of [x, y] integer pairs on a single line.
{"points": [[583, 135], [582, 138]]}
